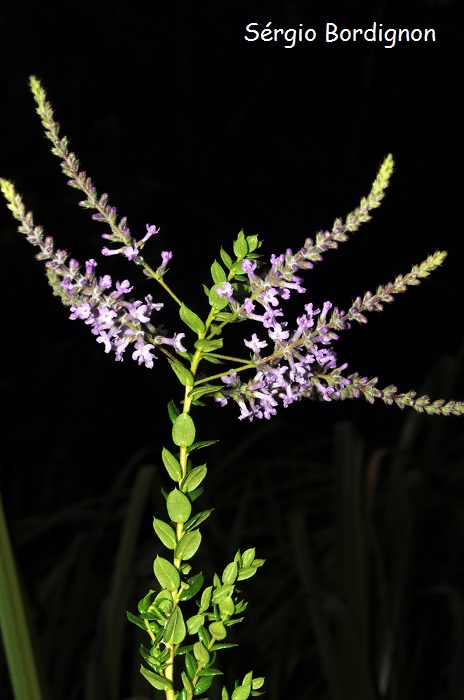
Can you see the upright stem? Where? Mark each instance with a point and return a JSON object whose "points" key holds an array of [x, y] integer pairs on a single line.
{"points": [[183, 456]]}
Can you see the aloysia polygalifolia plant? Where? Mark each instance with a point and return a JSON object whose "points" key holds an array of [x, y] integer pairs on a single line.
{"points": [[283, 363]]}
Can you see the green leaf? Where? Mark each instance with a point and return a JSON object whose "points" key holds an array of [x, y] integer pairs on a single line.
{"points": [[175, 630], [246, 572], [172, 465], [165, 533], [188, 545], [179, 506], [145, 603], [219, 302], [155, 680], [230, 573], [164, 602], [248, 557], [194, 623], [190, 663], [222, 645], [202, 443], [209, 345], [206, 599], [198, 391], [240, 246], [201, 653], [191, 319], [257, 683], [226, 606], [213, 360], [203, 684], [187, 683], [217, 273], [222, 592], [204, 636], [194, 583], [183, 430], [242, 692], [183, 374], [173, 411], [218, 630], [166, 573], [136, 620], [253, 243], [194, 478], [226, 259], [197, 519], [209, 672]]}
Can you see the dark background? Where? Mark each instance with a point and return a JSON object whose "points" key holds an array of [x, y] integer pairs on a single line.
{"points": [[190, 127]]}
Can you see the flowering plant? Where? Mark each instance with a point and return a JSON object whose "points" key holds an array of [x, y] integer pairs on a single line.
{"points": [[284, 364]]}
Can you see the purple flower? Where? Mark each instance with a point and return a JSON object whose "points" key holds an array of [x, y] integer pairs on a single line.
{"points": [[131, 252], [278, 334], [225, 290], [90, 266], [143, 354], [105, 282], [151, 231], [255, 344]]}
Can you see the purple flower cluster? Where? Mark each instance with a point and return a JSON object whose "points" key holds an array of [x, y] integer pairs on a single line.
{"points": [[117, 322], [298, 360]]}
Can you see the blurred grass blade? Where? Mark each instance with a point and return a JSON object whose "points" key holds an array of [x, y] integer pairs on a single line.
{"points": [[14, 624], [353, 648], [117, 604], [304, 564]]}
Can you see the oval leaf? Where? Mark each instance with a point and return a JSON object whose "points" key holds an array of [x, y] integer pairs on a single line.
{"points": [[194, 623], [188, 545], [166, 573], [240, 246], [179, 506], [195, 583], [175, 630], [183, 374], [203, 684], [242, 692], [156, 681], [201, 653], [191, 319], [216, 300], [190, 662], [222, 592], [209, 345], [183, 430], [206, 598], [226, 606], [230, 573], [217, 273], [187, 683], [165, 533], [194, 478], [172, 465], [204, 389], [218, 630]]}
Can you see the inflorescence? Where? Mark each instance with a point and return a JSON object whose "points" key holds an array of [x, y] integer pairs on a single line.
{"points": [[301, 362]]}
